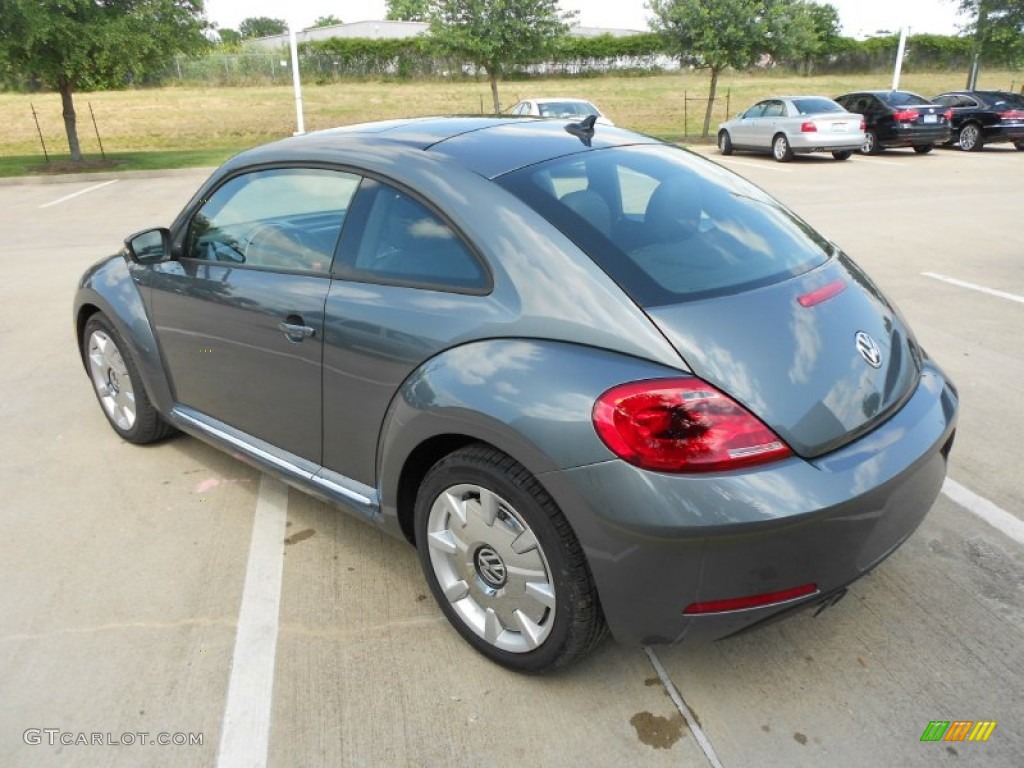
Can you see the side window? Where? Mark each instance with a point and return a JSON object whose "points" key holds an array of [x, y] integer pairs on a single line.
{"points": [[755, 111], [774, 109], [402, 241], [284, 218]]}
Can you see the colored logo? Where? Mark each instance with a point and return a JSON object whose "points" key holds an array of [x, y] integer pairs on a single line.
{"points": [[958, 730]]}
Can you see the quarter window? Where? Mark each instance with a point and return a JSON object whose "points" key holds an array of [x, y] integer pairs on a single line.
{"points": [[402, 241], [284, 218]]}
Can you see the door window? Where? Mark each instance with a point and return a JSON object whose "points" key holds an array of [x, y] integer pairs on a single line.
{"points": [[282, 219]]}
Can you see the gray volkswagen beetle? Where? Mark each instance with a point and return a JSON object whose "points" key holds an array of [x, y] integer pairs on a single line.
{"points": [[598, 381]]}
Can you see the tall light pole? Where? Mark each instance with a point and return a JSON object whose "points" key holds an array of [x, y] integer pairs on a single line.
{"points": [[300, 123], [899, 58]]}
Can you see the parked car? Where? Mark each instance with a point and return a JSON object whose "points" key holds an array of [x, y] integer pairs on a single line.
{"points": [[985, 117], [899, 119], [788, 125], [559, 107], [595, 379]]}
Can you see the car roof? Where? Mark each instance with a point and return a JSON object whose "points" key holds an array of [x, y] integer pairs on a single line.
{"points": [[487, 145], [546, 99]]}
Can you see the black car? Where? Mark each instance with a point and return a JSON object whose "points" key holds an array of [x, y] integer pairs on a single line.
{"points": [[985, 117], [899, 119]]}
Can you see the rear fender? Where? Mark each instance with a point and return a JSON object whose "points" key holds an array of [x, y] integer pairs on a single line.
{"points": [[531, 399]]}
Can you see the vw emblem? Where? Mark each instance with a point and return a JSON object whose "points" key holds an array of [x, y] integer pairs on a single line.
{"points": [[868, 349], [491, 567]]}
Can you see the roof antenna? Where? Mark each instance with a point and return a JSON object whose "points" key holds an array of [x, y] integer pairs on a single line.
{"points": [[584, 129]]}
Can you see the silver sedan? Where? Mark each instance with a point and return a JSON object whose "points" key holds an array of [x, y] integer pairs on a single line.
{"points": [[789, 125]]}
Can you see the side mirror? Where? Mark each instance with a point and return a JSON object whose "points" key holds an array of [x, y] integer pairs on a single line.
{"points": [[149, 246]]}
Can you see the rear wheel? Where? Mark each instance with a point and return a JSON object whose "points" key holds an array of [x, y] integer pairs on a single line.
{"points": [[970, 138], [842, 155], [781, 150], [923, 149], [870, 145], [503, 563], [118, 387], [724, 143]]}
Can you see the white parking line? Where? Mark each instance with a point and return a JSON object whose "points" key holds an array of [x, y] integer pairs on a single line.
{"points": [[875, 161], [245, 732], [762, 166], [677, 699], [974, 287], [79, 192], [996, 517]]}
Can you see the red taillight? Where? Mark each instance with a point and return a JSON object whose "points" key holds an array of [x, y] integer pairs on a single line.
{"points": [[1013, 114], [682, 425], [904, 116], [863, 124], [948, 114], [808, 127], [824, 293], [754, 601]]}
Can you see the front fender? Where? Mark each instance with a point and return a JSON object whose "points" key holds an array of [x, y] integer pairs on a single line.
{"points": [[531, 399], [114, 288]]}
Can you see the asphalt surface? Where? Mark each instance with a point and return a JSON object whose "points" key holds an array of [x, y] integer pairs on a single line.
{"points": [[171, 590]]}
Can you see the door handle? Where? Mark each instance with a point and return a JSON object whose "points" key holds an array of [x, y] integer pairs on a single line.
{"points": [[296, 332]]}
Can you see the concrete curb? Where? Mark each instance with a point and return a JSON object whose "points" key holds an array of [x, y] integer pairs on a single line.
{"points": [[69, 178]]}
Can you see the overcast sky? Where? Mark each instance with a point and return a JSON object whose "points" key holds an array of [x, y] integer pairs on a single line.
{"points": [[859, 17]]}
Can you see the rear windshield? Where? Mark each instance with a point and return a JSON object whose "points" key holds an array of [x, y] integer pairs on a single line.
{"points": [[816, 106], [667, 225], [903, 99], [566, 109]]}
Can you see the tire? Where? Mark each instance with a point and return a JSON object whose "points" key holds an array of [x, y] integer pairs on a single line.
{"points": [[923, 149], [840, 156], [781, 150], [870, 145], [118, 386], [970, 138], [724, 143], [1019, 145], [470, 509]]}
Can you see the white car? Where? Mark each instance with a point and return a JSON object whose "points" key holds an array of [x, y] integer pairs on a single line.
{"points": [[559, 107], [788, 125]]}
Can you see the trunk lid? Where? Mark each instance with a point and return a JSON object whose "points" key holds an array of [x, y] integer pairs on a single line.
{"points": [[808, 370]]}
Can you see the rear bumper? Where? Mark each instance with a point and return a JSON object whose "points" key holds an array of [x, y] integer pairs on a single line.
{"points": [[803, 143], [657, 543], [916, 136]]}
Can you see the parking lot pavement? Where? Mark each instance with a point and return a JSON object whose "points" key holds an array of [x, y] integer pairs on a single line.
{"points": [[125, 569]]}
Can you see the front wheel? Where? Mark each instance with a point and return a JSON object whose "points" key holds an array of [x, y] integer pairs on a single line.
{"points": [[970, 138], [923, 149], [781, 150], [724, 143], [118, 387], [503, 563], [842, 155]]}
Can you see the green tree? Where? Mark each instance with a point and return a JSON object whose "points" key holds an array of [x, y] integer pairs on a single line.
{"points": [[228, 36], [261, 26], [997, 27], [497, 34], [408, 10], [712, 36], [327, 21], [74, 44]]}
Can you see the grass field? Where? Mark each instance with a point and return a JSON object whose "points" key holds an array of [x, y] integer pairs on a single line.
{"points": [[179, 127]]}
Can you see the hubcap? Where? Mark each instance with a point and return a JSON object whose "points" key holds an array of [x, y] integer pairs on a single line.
{"points": [[780, 148], [491, 568], [968, 137], [111, 380], [869, 143]]}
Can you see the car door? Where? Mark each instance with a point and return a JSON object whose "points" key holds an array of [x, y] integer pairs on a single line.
{"points": [[239, 316], [765, 127], [744, 129], [406, 287]]}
